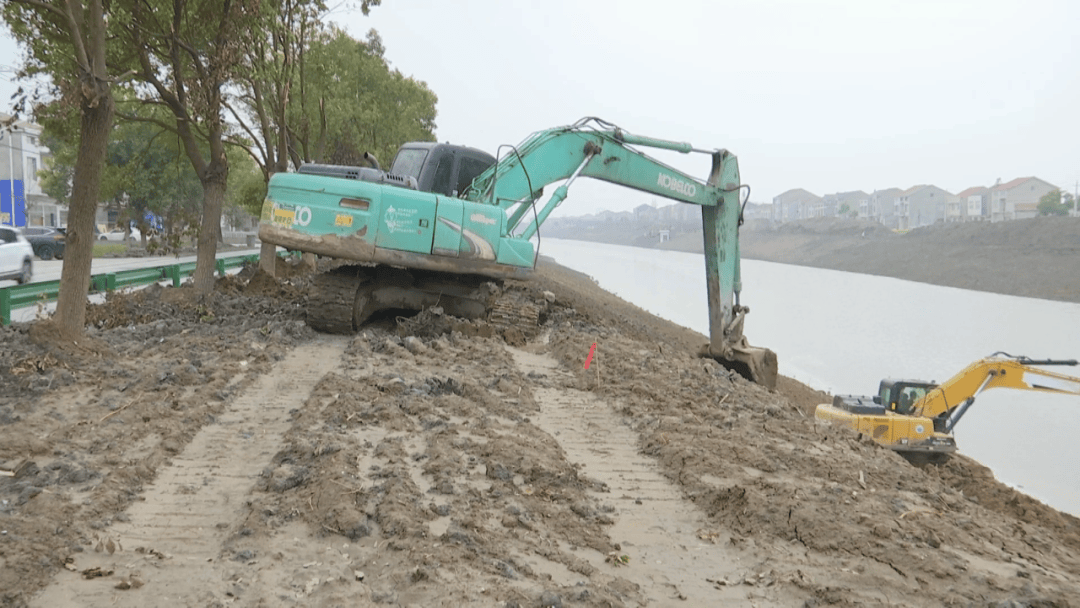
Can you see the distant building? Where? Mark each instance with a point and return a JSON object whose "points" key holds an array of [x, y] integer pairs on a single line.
{"points": [[881, 206], [971, 205], [1018, 199], [757, 211], [921, 205], [22, 203], [680, 213], [796, 204], [646, 213], [841, 203]]}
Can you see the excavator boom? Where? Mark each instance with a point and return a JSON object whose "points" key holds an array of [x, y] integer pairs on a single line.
{"points": [[995, 371], [598, 149]]}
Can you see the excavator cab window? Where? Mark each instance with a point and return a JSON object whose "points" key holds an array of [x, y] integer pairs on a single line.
{"points": [[905, 396], [441, 182], [468, 169], [408, 162]]}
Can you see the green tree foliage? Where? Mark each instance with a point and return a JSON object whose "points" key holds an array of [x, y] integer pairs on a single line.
{"points": [[362, 105], [1055, 203], [247, 189], [146, 170], [343, 99]]}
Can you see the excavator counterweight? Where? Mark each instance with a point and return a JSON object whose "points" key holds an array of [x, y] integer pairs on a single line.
{"points": [[445, 221]]}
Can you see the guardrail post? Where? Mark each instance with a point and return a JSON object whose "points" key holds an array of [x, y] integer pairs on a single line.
{"points": [[110, 281], [5, 307], [173, 272]]}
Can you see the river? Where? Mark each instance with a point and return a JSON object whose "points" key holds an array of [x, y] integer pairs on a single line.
{"points": [[843, 332]]}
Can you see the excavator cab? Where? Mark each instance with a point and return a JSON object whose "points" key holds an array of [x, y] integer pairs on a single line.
{"points": [[901, 395]]}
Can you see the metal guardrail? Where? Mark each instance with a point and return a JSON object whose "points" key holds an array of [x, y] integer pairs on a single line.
{"points": [[21, 296]]}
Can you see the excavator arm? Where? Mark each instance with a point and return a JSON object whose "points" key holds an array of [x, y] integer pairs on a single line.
{"points": [[594, 148], [951, 399]]}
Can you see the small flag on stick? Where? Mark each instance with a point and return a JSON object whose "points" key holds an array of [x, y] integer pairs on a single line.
{"points": [[592, 351]]}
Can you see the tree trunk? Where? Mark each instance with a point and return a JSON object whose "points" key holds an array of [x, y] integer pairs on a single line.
{"points": [[209, 230], [96, 123]]}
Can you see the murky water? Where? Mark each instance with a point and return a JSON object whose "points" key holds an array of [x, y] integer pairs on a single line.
{"points": [[843, 332]]}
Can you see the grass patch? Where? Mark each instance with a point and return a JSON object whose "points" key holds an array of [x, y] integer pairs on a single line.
{"points": [[104, 250]]}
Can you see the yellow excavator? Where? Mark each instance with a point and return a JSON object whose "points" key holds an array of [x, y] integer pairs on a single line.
{"points": [[916, 418]]}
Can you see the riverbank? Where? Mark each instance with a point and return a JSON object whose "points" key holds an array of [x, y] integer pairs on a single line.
{"points": [[1035, 258], [189, 449]]}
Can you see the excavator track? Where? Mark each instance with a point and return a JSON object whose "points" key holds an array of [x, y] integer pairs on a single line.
{"points": [[346, 297], [331, 309], [513, 309]]}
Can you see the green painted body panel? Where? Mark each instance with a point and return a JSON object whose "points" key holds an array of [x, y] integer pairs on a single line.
{"points": [[408, 220], [448, 227], [515, 252], [397, 219], [482, 228], [311, 204]]}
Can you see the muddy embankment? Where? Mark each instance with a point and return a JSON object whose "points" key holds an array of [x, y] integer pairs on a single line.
{"points": [[214, 451]]}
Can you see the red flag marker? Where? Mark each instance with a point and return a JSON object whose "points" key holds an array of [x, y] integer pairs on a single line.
{"points": [[592, 351]]}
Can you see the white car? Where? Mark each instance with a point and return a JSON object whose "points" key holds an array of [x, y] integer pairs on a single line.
{"points": [[118, 234], [16, 256]]}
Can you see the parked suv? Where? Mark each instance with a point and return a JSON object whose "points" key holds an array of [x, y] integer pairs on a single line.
{"points": [[16, 256], [48, 242]]}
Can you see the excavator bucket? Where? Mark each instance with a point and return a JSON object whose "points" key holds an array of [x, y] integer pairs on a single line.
{"points": [[753, 363]]}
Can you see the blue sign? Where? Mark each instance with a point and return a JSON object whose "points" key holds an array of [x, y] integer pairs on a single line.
{"points": [[12, 203]]}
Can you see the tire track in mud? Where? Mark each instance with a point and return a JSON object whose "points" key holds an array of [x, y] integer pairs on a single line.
{"points": [[658, 529], [172, 535]]}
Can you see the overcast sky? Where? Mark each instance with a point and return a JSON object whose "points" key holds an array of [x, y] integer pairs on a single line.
{"points": [[826, 95]]}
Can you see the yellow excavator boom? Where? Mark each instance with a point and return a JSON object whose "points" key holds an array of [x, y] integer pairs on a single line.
{"points": [[995, 372]]}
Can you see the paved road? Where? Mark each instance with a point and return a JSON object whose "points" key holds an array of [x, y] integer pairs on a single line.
{"points": [[50, 271]]}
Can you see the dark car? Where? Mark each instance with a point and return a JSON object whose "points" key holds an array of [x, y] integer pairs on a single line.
{"points": [[48, 242]]}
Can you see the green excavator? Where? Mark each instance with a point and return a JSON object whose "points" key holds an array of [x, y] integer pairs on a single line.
{"points": [[446, 221]]}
